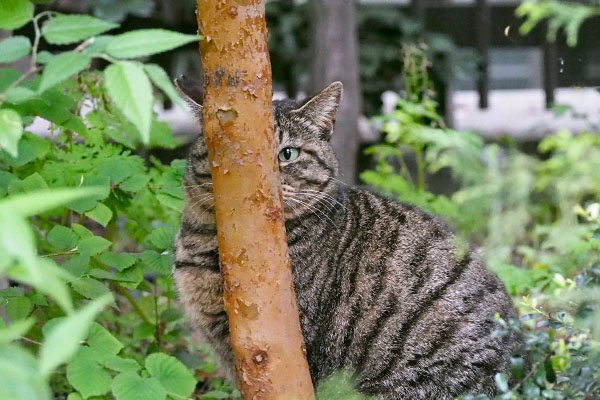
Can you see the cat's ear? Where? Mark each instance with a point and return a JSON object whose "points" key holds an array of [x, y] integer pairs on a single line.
{"points": [[192, 92], [322, 107]]}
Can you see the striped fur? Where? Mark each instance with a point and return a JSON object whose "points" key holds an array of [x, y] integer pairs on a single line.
{"points": [[383, 288]]}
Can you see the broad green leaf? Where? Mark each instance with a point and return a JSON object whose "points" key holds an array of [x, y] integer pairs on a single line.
{"points": [[18, 308], [14, 48], [31, 147], [11, 130], [120, 364], [130, 386], [19, 376], [19, 94], [119, 261], [135, 183], [77, 265], [157, 262], [101, 214], [62, 67], [163, 237], [65, 29], [173, 375], [215, 394], [90, 288], [30, 204], [15, 13], [145, 42], [129, 87], [62, 238], [15, 330], [86, 375], [63, 341], [160, 78], [93, 245], [82, 231], [102, 341]]}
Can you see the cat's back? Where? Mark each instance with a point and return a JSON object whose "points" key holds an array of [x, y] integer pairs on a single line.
{"points": [[410, 308]]}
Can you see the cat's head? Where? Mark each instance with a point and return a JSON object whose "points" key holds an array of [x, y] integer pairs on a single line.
{"points": [[307, 163]]}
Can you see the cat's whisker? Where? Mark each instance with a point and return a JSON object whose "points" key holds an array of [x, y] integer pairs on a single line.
{"points": [[318, 200], [329, 197], [313, 209]]}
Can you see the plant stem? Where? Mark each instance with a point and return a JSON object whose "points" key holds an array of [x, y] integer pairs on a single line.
{"points": [[134, 304]]}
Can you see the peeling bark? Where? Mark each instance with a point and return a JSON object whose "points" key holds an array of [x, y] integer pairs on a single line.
{"points": [[266, 339]]}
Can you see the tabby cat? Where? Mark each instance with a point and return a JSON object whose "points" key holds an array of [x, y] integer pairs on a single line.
{"points": [[383, 288]]}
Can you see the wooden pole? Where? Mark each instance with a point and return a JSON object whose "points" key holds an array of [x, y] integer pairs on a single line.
{"points": [[550, 72], [237, 116]]}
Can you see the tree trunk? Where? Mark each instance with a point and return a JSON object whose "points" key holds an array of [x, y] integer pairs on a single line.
{"points": [[334, 47], [237, 116]]}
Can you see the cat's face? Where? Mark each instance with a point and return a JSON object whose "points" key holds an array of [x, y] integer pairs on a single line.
{"points": [[307, 164]]}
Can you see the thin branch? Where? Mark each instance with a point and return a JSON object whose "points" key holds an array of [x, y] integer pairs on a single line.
{"points": [[134, 304]]}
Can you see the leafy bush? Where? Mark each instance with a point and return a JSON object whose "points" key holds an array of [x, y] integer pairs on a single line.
{"points": [[87, 218]]}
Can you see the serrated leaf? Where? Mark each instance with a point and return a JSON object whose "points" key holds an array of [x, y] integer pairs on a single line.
{"points": [[160, 78], [15, 13], [157, 262], [119, 261], [129, 87], [18, 308], [86, 375], [173, 375], [62, 238], [145, 42], [102, 341], [121, 364], [11, 130], [90, 288], [130, 386], [163, 237], [77, 265], [135, 183], [93, 245], [62, 67], [14, 48], [65, 29], [101, 214], [63, 341]]}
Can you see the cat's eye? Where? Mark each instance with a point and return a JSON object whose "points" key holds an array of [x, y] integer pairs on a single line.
{"points": [[289, 154]]}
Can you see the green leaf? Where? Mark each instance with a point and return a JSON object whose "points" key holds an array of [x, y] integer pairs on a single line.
{"points": [[160, 78], [15, 13], [19, 376], [90, 288], [77, 265], [157, 262], [173, 375], [62, 238], [101, 214], [82, 231], [135, 183], [65, 29], [18, 308], [93, 245], [14, 48], [215, 394], [145, 42], [86, 375], [27, 205], [130, 386], [11, 130], [62, 67], [119, 261], [63, 340], [163, 237], [120, 364], [129, 87], [102, 341], [15, 330]]}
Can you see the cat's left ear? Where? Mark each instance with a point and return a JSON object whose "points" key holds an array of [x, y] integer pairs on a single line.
{"points": [[192, 92], [322, 107]]}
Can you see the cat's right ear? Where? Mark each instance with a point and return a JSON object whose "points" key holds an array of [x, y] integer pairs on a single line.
{"points": [[192, 92]]}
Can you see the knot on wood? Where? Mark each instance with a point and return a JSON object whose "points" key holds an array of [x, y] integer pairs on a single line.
{"points": [[259, 357]]}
